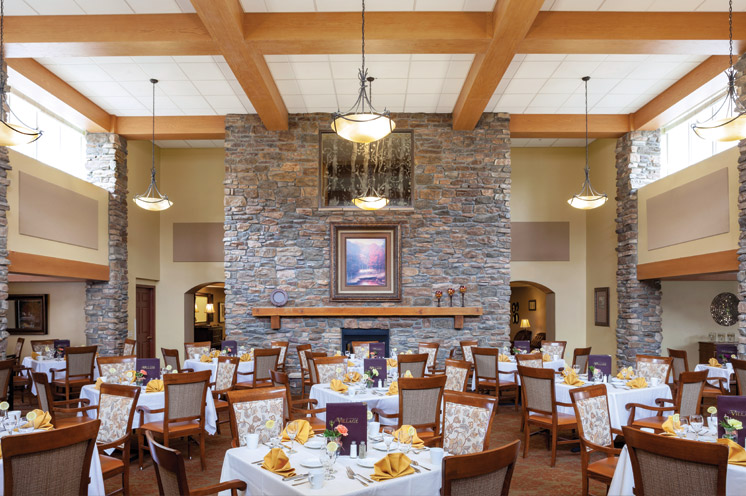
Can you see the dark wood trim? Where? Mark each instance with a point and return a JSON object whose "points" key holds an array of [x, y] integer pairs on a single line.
{"points": [[27, 263], [710, 263], [152, 347]]}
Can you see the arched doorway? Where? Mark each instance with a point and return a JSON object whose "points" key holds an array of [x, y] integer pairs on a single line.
{"points": [[532, 303], [204, 314]]}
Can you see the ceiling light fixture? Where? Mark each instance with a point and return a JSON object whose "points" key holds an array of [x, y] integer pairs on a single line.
{"points": [[153, 199], [588, 198], [362, 123], [732, 127], [11, 134]]}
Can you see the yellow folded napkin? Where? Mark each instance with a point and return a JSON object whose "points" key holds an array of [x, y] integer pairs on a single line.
{"points": [[154, 386], [352, 377], [338, 386], [305, 432], [34, 355], [714, 363], [736, 453], [671, 424], [205, 358], [638, 383], [408, 374], [246, 357], [403, 435], [546, 357], [42, 421], [392, 466], [391, 362], [503, 358], [571, 379], [214, 353], [625, 373], [276, 461], [338, 353], [99, 381], [393, 389], [350, 363]]}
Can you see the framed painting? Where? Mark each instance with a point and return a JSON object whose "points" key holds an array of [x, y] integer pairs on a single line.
{"points": [[348, 169], [601, 306], [531, 305], [221, 312], [27, 314], [365, 262]]}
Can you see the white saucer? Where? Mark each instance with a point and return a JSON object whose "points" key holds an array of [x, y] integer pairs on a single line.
{"points": [[366, 462], [315, 443], [311, 463], [381, 446]]}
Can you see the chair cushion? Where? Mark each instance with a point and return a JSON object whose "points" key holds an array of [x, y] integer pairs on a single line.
{"points": [[73, 382], [562, 419], [111, 466], [62, 422], [655, 422], [710, 391], [221, 405], [487, 383], [603, 468], [173, 428], [317, 424]]}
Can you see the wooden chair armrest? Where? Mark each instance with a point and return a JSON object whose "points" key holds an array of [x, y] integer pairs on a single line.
{"points": [[434, 441], [608, 450], [632, 406], [187, 370], [144, 409], [83, 401], [245, 373], [618, 432], [54, 372], [377, 413], [306, 401], [559, 403], [81, 409], [305, 412], [232, 485], [113, 444], [661, 401]]}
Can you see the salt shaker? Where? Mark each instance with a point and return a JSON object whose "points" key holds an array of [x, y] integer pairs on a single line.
{"points": [[380, 384], [353, 449], [362, 452]]}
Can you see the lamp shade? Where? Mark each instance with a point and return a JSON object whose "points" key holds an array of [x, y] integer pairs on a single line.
{"points": [[727, 129], [363, 128], [209, 308], [370, 202], [587, 202], [153, 204], [525, 324], [12, 134]]}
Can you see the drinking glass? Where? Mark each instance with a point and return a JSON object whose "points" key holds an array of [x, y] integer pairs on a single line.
{"points": [[292, 430], [388, 437], [576, 368], [326, 460], [681, 431], [697, 422], [404, 447]]}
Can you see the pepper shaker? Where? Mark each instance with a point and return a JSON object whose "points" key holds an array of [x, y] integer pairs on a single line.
{"points": [[362, 452]]}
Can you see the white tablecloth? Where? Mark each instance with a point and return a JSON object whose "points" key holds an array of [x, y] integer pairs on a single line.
{"points": [[154, 401], [95, 487], [198, 366], [510, 367], [46, 365], [237, 465], [323, 394], [624, 481], [724, 372], [618, 399]]}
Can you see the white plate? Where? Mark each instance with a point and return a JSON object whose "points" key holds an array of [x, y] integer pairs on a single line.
{"points": [[311, 463], [382, 446], [366, 462], [315, 443]]}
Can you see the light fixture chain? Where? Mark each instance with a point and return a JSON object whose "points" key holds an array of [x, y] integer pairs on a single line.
{"points": [[152, 170], [587, 167], [730, 31], [363, 38]]}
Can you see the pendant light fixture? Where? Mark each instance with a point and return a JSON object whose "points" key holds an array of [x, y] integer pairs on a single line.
{"points": [[11, 134], [153, 199], [588, 198], [362, 123], [732, 126]]}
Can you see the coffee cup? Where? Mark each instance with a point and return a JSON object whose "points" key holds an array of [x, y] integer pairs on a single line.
{"points": [[316, 478], [654, 381], [436, 456], [374, 428], [251, 441]]}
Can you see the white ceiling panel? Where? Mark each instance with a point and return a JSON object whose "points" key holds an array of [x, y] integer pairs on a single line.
{"points": [[644, 5]]}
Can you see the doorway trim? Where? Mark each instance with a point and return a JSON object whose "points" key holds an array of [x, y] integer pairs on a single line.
{"points": [[152, 351]]}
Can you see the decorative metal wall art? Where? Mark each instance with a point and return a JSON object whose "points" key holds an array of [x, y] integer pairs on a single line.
{"points": [[724, 309]]}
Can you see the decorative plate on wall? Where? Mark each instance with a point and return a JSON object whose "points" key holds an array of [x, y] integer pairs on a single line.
{"points": [[724, 309], [278, 297]]}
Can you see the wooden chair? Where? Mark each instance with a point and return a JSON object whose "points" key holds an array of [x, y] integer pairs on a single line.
{"points": [[467, 422], [419, 406], [679, 364], [530, 360], [415, 363], [199, 347], [18, 350], [540, 408], [669, 465], [486, 369], [326, 368], [361, 348], [55, 408], [457, 374], [129, 347], [432, 355], [49, 462], [580, 358], [489, 472], [687, 402], [311, 357], [38, 345], [21, 375], [250, 409], [6, 371], [305, 374], [300, 408], [466, 347], [536, 340], [226, 375], [649, 366], [171, 357], [121, 365], [554, 348], [283, 347], [591, 406], [183, 413], [171, 474], [264, 361], [78, 370], [739, 369]]}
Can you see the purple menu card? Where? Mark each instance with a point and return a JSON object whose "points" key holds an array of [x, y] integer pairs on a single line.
{"points": [[733, 407], [601, 362], [378, 364], [354, 416], [150, 365], [522, 346], [377, 350]]}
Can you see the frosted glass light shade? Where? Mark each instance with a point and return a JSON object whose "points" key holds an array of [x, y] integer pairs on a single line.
{"points": [[12, 134], [151, 203], [726, 129], [370, 202], [587, 202], [363, 128]]}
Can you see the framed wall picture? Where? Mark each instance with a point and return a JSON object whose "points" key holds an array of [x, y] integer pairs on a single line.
{"points": [[531, 305], [601, 306], [27, 314], [347, 169], [221, 312], [365, 262]]}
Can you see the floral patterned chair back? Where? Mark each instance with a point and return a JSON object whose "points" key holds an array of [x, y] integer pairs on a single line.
{"points": [[592, 411], [530, 360], [116, 411], [199, 348], [457, 374], [466, 347], [361, 349], [329, 368], [119, 365], [283, 347], [39, 345], [251, 409], [302, 359], [653, 366], [554, 348], [432, 353], [467, 422], [129, 347], [225, 375]]}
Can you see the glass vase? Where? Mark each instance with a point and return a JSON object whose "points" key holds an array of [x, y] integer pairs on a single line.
{"points": [[730, 434]]}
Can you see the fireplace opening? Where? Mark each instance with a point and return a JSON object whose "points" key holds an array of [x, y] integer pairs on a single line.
{"points": [[350, 335]]}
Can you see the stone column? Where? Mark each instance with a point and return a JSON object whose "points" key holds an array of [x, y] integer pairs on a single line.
{"points": [[106, 302], [639, 302], [742, 246], [4, 262]]}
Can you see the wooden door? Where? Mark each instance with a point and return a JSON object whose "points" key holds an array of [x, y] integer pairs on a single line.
{"points": [[145, 326]]}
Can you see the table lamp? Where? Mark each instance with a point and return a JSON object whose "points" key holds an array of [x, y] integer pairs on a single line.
{"points": [[525, 324]]}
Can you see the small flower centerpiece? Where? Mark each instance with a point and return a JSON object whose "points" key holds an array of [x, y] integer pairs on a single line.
{"points": [[371, 375], [335, 434], [731, 425], [141, 376]]}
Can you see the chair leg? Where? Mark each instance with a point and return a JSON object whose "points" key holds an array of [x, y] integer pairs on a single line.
{"points": [[554, 446], [126, 474], [585, 484], [526, 437], [202, 449], [140, 441]]}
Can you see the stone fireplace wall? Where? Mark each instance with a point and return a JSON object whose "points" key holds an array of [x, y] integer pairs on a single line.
{"points": [[277, 237]]}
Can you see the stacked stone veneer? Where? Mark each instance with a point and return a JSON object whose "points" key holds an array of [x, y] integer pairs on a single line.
{"points": [[277, 237], [106, 302], [742, 247], [4, 262], [639, 302]]}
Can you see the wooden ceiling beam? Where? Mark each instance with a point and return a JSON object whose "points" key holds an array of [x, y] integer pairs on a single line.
{"points": [[568, 125], [174, 127], [511, 21], [224, 21]]}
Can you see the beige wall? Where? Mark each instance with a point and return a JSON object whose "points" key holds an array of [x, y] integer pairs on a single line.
{"points": [[66, 319], [538, 318]]}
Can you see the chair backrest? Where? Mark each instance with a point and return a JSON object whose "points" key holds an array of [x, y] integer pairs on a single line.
{"points": [[649, 366], [420, 400], [689, 392], [226, 373], [580, 358], [739, 369], [170, 471], [265, 359], [537, 389], [301, 349], [49, 462], [129, 347], [485, 363], [554, 348], [38, 345], [467, 422], [457, 374], [414, 363], [489, 472], [536, 340], [281, 380], [466, 347], [283, 347], [328, 368], [661, 463], [530, 360], [6, 370], [361, 348], [250, 409], [116, 411], [432, 352], [591, 406], [80, 360], [171, 357], [120, 364], [680, 363], [44, 393], [185, 397], [311, 357], [200, 348], [19, 349]]}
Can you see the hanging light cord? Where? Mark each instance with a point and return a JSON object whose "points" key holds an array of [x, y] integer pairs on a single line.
{"points": [[363, 72], [152, 154], [730, 30], [587, 166]]}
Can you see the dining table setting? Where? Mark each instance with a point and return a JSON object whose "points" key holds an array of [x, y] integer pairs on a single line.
{"points": [[244, 366], [716, 369], [40, 363]]}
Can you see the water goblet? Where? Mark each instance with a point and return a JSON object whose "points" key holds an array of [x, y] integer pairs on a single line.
{"points": [[325, 459], [404, 447], [683, 427], [388, 437], [292, 430], [697, 422], [576, 368]]}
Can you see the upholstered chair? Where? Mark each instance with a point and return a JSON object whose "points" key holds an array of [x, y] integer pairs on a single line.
{"points": [[554, 348], [687, 402], [283, 347], [414, 363], [467, 422], [649, 366], [225, 380], [264, 361], [38, 345], [530, 360], [739, 369], [300, 408], [457, 374], [466, 347], [329, 368], [250, 409], [77, 373], [432, 354], [488, 472], [305, 374], [361, 349], [311, 357], [121, 365], [199, 348], [171, 357], [129, 347], [580, 358], [486, 366], [57, 408]]}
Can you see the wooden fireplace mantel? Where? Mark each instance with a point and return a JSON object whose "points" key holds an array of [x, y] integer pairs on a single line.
{"points": [[458, 313]]}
